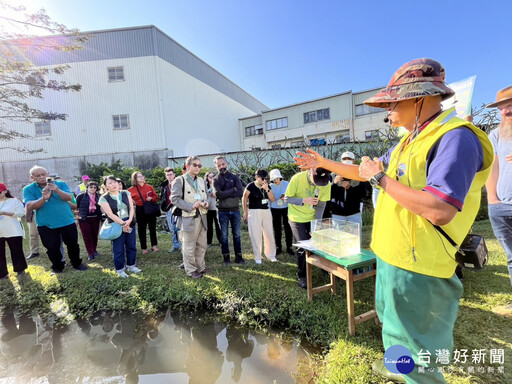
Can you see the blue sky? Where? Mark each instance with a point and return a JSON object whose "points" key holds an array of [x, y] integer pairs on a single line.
{"points": [[284, 52]]}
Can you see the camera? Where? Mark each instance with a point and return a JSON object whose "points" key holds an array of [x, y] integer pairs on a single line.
{"points": [[50, 180]]}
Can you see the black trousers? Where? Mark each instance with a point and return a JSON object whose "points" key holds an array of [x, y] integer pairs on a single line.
{"points": [[301, 232], [280, 218], [51, 238], [212, 219], [19, 263], [144, 221]]}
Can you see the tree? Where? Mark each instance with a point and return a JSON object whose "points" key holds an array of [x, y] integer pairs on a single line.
{"points": [[20, 80]]}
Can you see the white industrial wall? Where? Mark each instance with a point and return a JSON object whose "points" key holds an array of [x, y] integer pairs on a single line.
{"points": [[89, 128], [197, 118]]}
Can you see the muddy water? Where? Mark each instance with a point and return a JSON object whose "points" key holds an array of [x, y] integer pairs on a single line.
{"points": [[116, 347]]}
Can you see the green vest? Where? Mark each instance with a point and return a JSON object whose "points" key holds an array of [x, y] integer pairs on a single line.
{"points": [[409, 241]]}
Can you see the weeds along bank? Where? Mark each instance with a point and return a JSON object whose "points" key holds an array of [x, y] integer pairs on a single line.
{"points": [[259, 297]]}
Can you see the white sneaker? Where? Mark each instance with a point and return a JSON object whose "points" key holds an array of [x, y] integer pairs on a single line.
{"points": [[257, 261], [273, 259], [122, 274], [133, 269]]}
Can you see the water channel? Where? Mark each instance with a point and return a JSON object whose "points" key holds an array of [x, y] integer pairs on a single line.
{"points": [[113, 347]]}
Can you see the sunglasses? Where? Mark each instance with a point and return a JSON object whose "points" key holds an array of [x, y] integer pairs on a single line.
{"points": [[196, 165]]}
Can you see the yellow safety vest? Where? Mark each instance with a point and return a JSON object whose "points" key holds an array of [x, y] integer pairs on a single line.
{"points": [[409, 241]]}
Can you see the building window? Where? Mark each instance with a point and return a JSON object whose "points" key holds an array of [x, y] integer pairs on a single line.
{"points": [[363, 109], [371, 135], [343, 137], [121, 121], [254, 130], [43, 128], [276, 123], [313, 116], [115, 74]]}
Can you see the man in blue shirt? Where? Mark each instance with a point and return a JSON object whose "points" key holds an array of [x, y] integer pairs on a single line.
{"points": [[48, 198], [499, 184]]}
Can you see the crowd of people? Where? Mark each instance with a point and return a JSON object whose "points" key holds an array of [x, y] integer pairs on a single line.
{"points": [[195, 209], [431, 179]]}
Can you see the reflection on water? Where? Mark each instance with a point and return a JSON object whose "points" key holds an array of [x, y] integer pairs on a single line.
{"points": [[114, 347]]}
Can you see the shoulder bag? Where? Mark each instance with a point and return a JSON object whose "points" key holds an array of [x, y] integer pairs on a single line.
{"points": [[150, 208]]}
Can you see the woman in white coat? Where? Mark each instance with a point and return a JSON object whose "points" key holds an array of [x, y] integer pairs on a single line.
{"points": [[11, 232]]}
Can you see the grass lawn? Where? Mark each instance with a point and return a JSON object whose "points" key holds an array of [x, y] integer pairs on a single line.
{"points": [[267, 295]]}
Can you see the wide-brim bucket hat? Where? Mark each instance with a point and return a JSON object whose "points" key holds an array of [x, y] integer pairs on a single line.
{"points": [[502, 96], [416, 78]]}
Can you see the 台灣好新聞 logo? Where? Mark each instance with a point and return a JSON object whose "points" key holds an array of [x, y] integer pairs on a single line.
{"points": [[398, 359]]}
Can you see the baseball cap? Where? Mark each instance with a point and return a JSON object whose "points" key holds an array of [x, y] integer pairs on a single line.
{"points": [[349, 155], [321, 176], [3, 187], [85, 177]]}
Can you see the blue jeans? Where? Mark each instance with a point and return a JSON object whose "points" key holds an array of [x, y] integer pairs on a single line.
{"points": [[124, 245], [225, 218], [501, 221], [171, 222]]}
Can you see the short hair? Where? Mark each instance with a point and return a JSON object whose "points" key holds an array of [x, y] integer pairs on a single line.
{"points": [[134, 177], [217, 158], [261, 173], [168, 169], [93, 183], [109, 177], [36, 167], [190, 159], [121, 181], [184, 166]]}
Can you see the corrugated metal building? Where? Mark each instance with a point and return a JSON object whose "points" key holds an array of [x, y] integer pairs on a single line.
{"points": [[336, 118], [144, 98]]}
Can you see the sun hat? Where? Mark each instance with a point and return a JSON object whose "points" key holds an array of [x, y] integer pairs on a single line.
{"points": [[416, 78], [275, 174], [502, 96]]}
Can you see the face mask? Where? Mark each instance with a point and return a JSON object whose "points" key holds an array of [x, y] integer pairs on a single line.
{"points": [[347, 162], [223, 170]]}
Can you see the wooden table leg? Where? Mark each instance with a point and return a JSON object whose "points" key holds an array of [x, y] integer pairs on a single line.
{"points": [[309, 277], [333, 283], [350, 304]]}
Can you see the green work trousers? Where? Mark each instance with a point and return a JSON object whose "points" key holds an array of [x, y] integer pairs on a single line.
{"points": [[417, 312]]}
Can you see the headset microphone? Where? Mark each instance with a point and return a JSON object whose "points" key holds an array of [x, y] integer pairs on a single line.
{"points": [[386, 120]]}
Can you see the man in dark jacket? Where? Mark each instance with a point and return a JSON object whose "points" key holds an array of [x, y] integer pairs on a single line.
{"points": [[166, 206], [228, 190]]}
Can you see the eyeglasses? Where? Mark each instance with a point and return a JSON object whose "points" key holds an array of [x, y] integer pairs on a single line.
{"points": [[196, 165], [140, 176], [211, 176]]}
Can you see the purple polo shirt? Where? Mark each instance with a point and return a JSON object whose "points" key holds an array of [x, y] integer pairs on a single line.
{"points": [[452, 163]]}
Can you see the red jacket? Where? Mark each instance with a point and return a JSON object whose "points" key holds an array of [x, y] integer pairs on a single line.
{"points": [[146, 190]]}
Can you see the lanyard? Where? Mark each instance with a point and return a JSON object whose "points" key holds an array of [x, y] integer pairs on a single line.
{"points": [[194, 182]]}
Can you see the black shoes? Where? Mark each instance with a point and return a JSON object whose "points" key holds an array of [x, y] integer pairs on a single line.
{"points": [[290, 251], [90, 258], [303, 282], [196, 275], [279, 250], [227, 260], [32, 255], [239, 259], [81, 267]]}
